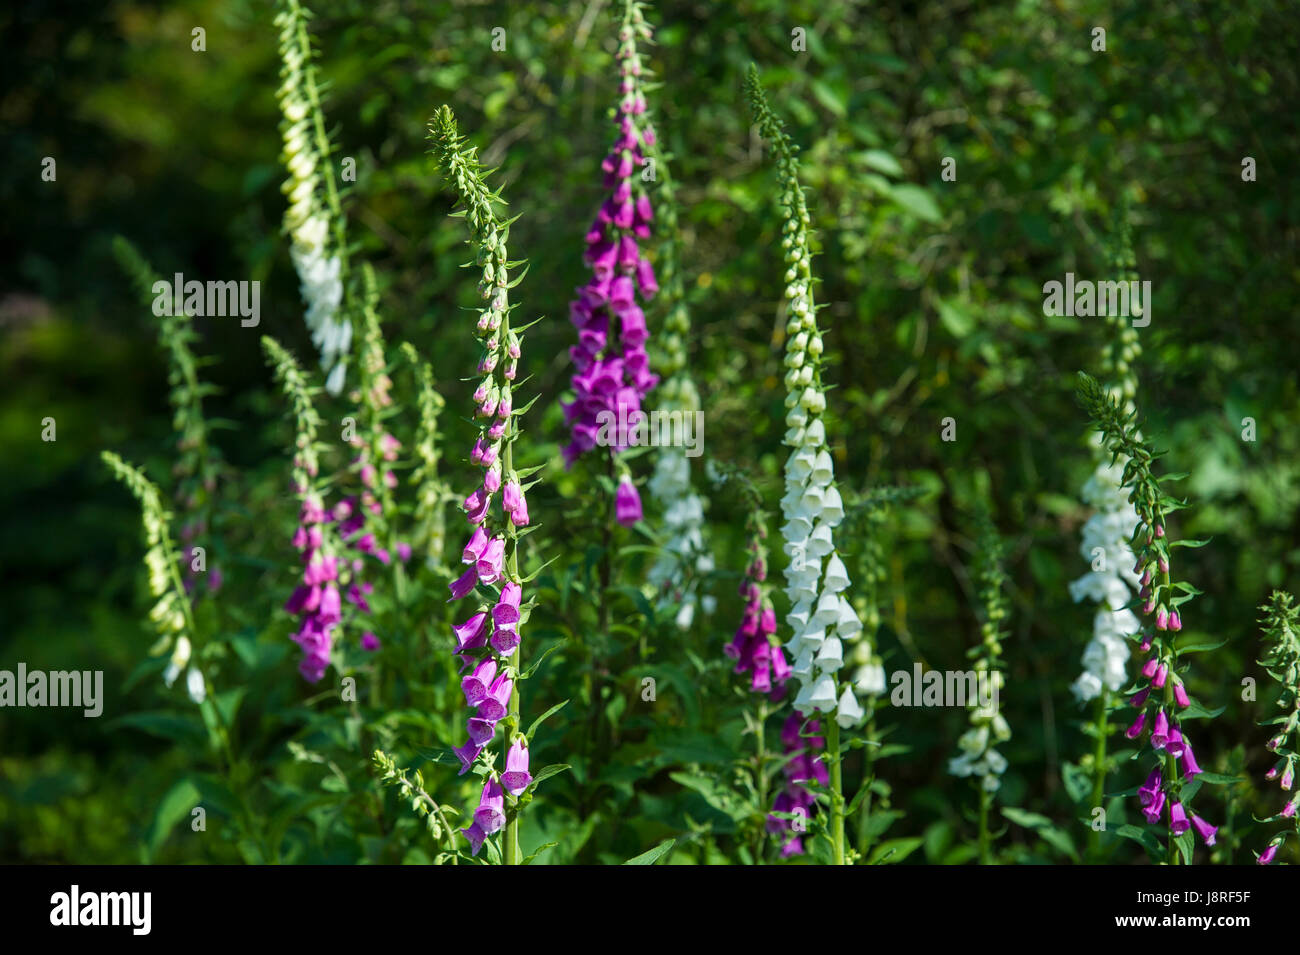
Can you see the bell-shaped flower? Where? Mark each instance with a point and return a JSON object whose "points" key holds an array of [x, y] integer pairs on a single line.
{"points": [[476, 685], [490, 815], [849, 711], [516, 777]]}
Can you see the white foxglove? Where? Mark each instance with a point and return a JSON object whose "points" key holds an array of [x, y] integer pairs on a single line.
{"points": [[313, 202], [1105, 545]]}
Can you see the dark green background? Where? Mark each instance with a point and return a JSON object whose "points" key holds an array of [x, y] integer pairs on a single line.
{"points": [[932, 291]]}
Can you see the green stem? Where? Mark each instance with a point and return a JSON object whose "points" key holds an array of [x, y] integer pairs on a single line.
{"points": [[511, 840], [837, 791], [868, 778], [1099, 771], [985, 842], [1171, 762], [761, 773]]}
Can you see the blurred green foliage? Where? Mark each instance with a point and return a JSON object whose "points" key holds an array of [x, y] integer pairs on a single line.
{"points": [[933, 290]]}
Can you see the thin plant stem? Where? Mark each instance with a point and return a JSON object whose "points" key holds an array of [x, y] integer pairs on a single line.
{"points": [[837, 791]]}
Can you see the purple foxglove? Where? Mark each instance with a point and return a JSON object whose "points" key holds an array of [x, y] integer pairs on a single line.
{"points": [[1153, 810], [490, 815], [516, 777], [1160, 730], [494, 705], [481, 730], [476, 836], [478, 541], [1178, 823], [1204, 829], [467, 754], [627, 503], [1135, 730], [475, 686], [492, 561], [1147, 792], [472, 633], [1190, 768], [463, 584]]}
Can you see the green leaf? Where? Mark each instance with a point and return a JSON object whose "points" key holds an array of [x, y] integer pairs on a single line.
{"points": [[538, 662], [1198, 712], [1199, 646], [916, 201], [881, 161], [546, 772], [957, 320], [653, 856], [1077, 784], [1022, 817], [540, 849], [179, 801], [170, 726], [1145, 837], [893, 851], [538, 722], [443, 756], [1218, 779]]}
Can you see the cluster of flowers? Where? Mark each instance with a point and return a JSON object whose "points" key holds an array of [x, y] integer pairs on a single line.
{"points": [[1282, 660], [170, 614], [683, 522], [870, 678], [316, 599], [488, 641], [430, 527], [355, 514], [752, 647], [1162, 692], [1107, 533], [795, 798], [1105, 543], [978, 756], [822, 618], [612, 367], [685, 557], [319, 263]]}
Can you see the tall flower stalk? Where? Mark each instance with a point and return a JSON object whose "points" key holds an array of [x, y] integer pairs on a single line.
{"points": [[314, 219], [822, 620], [171, 616], [1111, 582], [173, 619], [316, 601], [685, 557], [489, 639], [197, 463], [431, 494], [753, 647], [1282, 661], [867, 527], [1161, 696], [612, 366], [366, 521], [979, 758]]}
